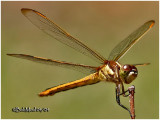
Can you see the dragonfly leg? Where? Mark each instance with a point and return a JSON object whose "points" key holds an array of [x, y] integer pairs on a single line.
{"points": [[118, 99], [121, 83], [123, 91]]}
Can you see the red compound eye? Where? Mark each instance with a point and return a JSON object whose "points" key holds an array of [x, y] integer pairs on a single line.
{"points": [[127, 67]]}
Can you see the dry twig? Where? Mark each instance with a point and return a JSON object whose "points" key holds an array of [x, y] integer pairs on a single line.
{"points": [[131, 101]]}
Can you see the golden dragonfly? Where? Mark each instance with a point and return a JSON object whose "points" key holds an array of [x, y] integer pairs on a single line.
{"points": [[110, 70]]}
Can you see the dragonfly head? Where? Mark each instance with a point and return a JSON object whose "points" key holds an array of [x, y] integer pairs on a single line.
{"points": [[128, 73]]}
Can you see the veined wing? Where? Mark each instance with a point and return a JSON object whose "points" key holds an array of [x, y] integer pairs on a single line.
{"points": [[49, 27], [141, 64], [82, 68], [127, 43]]}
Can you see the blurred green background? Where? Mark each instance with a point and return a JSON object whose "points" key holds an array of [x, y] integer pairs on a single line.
{"points": [[100, 25]]}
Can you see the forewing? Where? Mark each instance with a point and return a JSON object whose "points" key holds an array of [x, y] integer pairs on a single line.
{"points": [[49, 27], [82, 68], [127, 43], [141, 64]]}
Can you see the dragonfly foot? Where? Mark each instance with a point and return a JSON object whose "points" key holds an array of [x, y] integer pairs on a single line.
{"points": [[124, 93], [118, 99]]}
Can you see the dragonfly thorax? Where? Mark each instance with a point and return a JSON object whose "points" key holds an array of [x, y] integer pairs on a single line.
{"points": [[128, 73], [109, 71]]}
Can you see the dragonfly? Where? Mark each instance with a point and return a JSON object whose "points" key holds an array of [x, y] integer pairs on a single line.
{"points": [[110, 69]]}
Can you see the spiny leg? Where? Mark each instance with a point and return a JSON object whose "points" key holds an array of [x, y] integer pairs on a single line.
{"points": [[120, 82], [123, 91], [118, 98]]}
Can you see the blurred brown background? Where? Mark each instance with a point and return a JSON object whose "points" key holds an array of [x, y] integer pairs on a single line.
{"points": [[100, 25]]}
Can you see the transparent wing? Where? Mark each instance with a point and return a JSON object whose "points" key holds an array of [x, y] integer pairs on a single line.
{"points": [[82, 68], [49, 27], [141, 64], [127, 43]]}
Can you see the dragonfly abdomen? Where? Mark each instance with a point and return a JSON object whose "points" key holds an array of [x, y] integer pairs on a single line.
{"points": [[91, 79]]}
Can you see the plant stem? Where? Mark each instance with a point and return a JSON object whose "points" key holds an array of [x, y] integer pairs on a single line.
{"points": [[131, 101]]}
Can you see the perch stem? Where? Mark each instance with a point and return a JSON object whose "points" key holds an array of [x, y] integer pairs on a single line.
{"points": [[131, 101]]}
